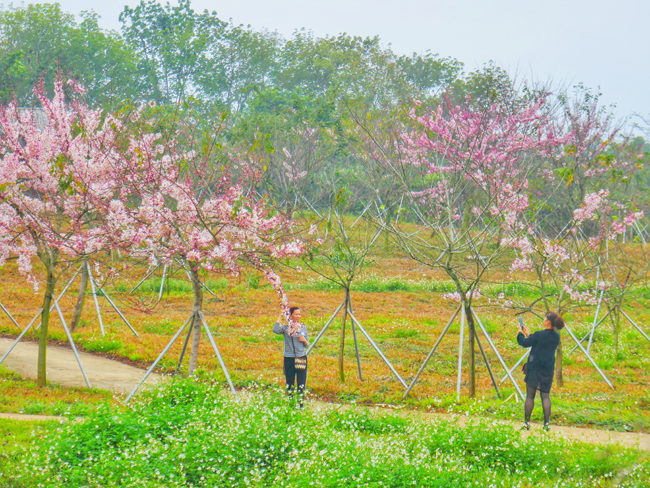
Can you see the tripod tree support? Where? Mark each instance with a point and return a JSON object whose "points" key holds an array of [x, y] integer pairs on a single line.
{"points": [[487, 365], [460, 309], [496, 351], [189, 322], [433, 350], [94, 290], [15, 343], [162, 283], [150, 271], [216, 351], [356, 344], [180, 359], [524, 356], [634, 324], [74, 348], [56, 299], [348, 308], [9, 315], [119, 312], [588, 356], [325, 327], [36, 317], [590, 333], [460, 350], [158, 359], [363, 331]]}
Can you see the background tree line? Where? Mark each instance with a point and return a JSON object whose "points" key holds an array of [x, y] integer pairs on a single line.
{"points": [[256, 95]]}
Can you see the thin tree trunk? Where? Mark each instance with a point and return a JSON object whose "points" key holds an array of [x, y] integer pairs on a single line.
{"points": [[41, 375], [616, 323], [342, 346], [196, 320], [472, 338], [82, 296]]}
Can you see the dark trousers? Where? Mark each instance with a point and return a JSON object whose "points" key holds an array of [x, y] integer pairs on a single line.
{"points": [[292, 374]]}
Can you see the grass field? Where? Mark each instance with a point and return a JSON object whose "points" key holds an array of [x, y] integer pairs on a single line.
{"points": [[189, 433], [404, 311], [400, 306]]}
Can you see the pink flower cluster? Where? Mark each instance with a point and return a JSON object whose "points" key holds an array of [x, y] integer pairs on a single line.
{"points": [[87, 182], [56, 180], [475, 294], [592, 204], [482, 149]]}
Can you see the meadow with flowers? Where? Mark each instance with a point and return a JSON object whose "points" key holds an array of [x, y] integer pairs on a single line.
{"points": [[189, 433], [163, 219]]}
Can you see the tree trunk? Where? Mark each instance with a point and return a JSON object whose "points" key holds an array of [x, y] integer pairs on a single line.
{"points": [[82, 296], [342, 346], [472, 338], [616, 323], [559, 380], [41, 375], [196, 320]]}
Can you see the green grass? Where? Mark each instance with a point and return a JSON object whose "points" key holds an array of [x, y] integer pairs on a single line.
{"points": [[22, 395], [163, 327], [622, 413], [405, 333], [189, 433], [102, 345], [16, 437], [173, 286], [372, 283]]}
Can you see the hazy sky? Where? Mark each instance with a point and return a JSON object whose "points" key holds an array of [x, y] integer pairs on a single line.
{"points": [[600, 43]]}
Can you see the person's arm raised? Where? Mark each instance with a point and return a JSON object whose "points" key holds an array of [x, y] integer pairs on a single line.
{"points": [[280, 329], [525, 341]]}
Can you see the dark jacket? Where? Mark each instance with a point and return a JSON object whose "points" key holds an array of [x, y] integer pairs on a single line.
{"points": [[543, 344]]}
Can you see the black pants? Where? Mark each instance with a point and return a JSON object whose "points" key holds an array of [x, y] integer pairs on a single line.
{"points": [[292, 374]]}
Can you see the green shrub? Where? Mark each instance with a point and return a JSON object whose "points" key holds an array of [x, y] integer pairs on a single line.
{"points": [[165, 327], [188, 433], [102, 345], [405, 333]]}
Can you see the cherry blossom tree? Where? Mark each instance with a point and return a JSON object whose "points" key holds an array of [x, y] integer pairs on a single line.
{"points": [[465, 172], [565, 262], [55, 184], [571, 221], [187, 208]]}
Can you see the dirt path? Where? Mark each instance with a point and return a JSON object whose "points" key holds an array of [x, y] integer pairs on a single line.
{"points": [[31, 418], [62, 367], [591, 436], [121, 378]]}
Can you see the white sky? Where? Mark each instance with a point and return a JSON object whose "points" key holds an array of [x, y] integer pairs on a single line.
{"points": [[597, 42]]}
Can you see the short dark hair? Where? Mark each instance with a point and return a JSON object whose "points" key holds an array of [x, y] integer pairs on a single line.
{"points": [[293, 309], [556, 321]]}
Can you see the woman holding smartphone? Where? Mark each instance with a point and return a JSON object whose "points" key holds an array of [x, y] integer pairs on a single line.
{"points": [[540, 367], [296, 341]]}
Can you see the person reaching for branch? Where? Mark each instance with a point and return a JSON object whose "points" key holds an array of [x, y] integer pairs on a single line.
{"points": [[540, 367], [296, 341]]}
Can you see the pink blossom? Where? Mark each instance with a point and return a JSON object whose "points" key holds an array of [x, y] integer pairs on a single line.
{"points": [[452, 296], [593, 202]]}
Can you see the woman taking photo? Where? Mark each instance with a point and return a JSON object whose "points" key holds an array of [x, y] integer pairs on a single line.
{"points": [[296, 341], [540, 366]]}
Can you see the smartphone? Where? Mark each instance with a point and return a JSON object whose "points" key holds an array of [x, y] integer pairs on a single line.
{"points": [[521, 323]]}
